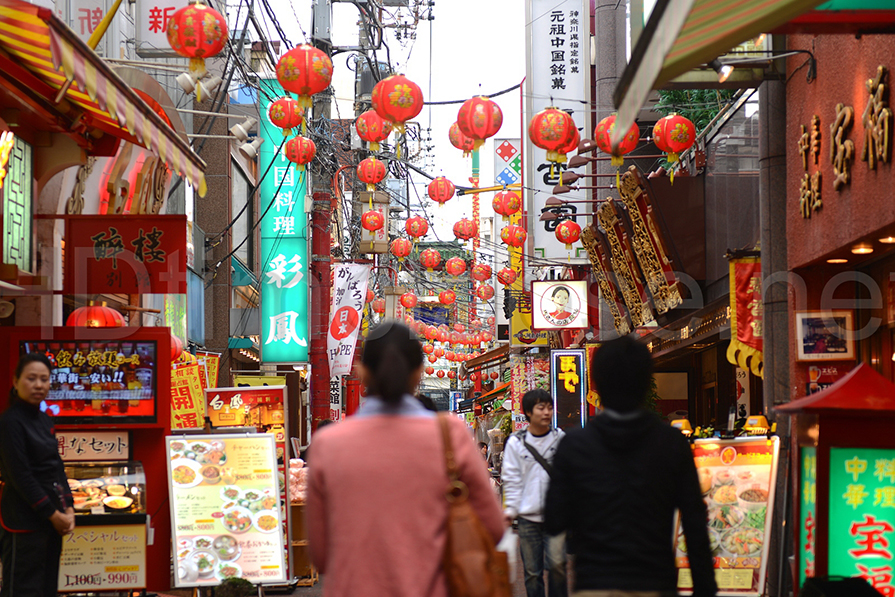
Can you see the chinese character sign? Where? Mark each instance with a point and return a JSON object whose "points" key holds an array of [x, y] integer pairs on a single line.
{"points": [[558, 75], [187, 402], [79, 446], [807, 513], [568, 381], [284, 246], [349, 295], [335, 399], [862, 515], [152, 25]]}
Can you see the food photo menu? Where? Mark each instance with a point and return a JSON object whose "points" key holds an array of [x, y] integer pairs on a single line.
{"points": [[227, 518]]}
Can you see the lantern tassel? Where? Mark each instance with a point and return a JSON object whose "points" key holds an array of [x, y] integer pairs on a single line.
{"points": [[370, 189], [671, 176], [618, 182], [371, 200]]}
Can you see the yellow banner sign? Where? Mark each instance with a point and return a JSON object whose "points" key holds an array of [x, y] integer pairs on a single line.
{"points": [[187, 397]]}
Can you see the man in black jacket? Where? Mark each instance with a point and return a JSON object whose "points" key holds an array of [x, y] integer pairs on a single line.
{"points": [[616, 484]]}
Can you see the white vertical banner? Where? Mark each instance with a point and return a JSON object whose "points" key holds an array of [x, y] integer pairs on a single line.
{"points": [[349, 294], [557, 42], [335, 398]]}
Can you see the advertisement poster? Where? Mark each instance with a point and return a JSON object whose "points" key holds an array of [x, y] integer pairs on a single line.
{"points": [[568, 385], [349, 296], [212, 364], [82, 567], [528, 372], [559, 304], [737, 481], [862, 520], [187, 401], [226, 518]]}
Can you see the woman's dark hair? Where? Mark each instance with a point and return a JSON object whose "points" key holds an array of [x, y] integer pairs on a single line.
{"points": [[391, 353], [32, 357], [532, 398], [621, 371], [561, 288]]}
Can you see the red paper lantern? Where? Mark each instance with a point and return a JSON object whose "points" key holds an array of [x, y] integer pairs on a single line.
{"points": [[447, 297], [603, 132], [431, 332], [371, 171], [568, 148], [466, 229], [441, 190], [513, 235], [430, 258], [459, 327], [433, 359], [474, 376], [197, 32], [552, 129], [487, 336], [379, 305], [176, 348], [674, 134], [491, 320], [416, 226], [449, 355], [485, 292], [430, 370], [455, 338], [439, 352], [300, 151], [96, 316], [372, 220], [506, 276], [397, 99], [568, 232], [460, 141], [428, 348], [401, 248], [440, 373], [494, 375], [479, 118], [372, 128], [506, 203], [455, 266], [443, 336], [462, 378], [370, 296], [305, 70], [481, 272], [408, 300], [452, 374], [285, 113]]}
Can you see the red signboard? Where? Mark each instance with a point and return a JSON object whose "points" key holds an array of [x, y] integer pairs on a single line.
{"points": [[125, 254]]}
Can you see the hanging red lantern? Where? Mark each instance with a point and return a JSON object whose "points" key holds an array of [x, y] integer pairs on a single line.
{"points": [[481, 272], [305, 70], [409, 321], [473, 376], [674, 134], [300, 151], [430, 370], [495, 375], [506, 203], [452, 374], [443, 336], [603, 133], [372, 128], [96, 316], [487, 336], [513, 235], [479, 118], [460, 141], [466, 229], [447, 297], [441, 190], [485, 292], [439, 352], [440, 373], [372, 172], [397, 99], [460, 327], [433, 359], [552, 129], [455, 266], [428, 348], [379, 305], [449, 355], [408, 300], [506, 276], [176, 348], [370, 296], [491, 320], [372, 220], [431, 332], [416, 227], [430, 258], [462, 378], [197, 32], [568, 232], [455, 338], [285, 113], [401, 248]]}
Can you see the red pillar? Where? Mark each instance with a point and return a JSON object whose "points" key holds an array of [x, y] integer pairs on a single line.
{"points": [[321, 288], [353, 385]]}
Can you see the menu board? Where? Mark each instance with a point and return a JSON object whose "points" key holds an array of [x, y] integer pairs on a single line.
{"points": [[226, 512], [737, 481], [103, 558]]}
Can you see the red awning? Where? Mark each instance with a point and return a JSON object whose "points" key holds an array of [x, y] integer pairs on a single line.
{"points": [[862, 390]]}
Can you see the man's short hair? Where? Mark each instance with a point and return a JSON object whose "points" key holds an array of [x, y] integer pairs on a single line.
{"points": [[621, 371], [532, 398]]}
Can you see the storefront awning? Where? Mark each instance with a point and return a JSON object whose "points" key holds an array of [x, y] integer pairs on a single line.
{"points": [[492, 358], [683, 34], [35, 38], [863, 389], [495, 393]]}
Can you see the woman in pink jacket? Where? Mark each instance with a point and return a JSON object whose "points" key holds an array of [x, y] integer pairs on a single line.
{"points": [[376, 492]]}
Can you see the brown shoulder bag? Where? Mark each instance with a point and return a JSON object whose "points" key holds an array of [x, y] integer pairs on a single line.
{"points": [[473, 567]]}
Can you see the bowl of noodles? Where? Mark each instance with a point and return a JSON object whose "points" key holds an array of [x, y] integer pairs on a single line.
{"points": [[266, 521], [185, 473]]}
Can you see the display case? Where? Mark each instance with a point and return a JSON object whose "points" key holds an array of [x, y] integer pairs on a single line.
{"points": [[107, 488]]}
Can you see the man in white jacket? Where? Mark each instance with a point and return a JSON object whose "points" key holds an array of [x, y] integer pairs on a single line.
{"points": [[525, 476]]}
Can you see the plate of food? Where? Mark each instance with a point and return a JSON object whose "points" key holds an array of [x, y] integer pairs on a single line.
{"points": [[251, 495], [185, 473], [230, 493], [237, 520], [88, 504], [116, 489], [753, 498], [226, 548], [213, 457], [177, 445], [74, 484], [92, 483], [266, 521], [742, 542], [210, 473], [714, 542], [724, 477], [725, 495], [187, 571], [225, 570], [723, 518], [203, 543], [198, 448], [205, 561], [118, 502], [185, 543]]}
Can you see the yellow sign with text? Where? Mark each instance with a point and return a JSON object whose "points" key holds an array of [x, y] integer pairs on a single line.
{"points": [[103, 558]]}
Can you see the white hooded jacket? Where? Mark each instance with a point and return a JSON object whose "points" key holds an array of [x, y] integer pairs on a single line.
{"points": [[523, 479]]}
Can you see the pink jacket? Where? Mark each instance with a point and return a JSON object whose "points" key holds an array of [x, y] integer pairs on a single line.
{"points": [[376, 507]]}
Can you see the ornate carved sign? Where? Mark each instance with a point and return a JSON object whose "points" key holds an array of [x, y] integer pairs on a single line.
{"points": [[876, 119], [842, 150], [594, 244], [809, 188]]}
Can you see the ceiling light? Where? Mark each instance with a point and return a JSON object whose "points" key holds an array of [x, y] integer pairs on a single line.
{"points": [[862, 249], [888, 240], [724, 70], [241, 130], [837, 260], [250, 150]]}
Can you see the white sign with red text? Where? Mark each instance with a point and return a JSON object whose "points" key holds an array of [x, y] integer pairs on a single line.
{"points": [[152, 26], [349, 295]]}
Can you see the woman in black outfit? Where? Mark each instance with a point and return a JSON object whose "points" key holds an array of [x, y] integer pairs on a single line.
{"points": [[35, 500]]}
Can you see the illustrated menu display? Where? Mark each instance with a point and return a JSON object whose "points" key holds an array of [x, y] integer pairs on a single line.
{"points": [[226, 510], [737, 482]]}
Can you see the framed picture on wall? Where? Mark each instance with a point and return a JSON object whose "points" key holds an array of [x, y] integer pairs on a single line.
{"points": [[825, 336]]}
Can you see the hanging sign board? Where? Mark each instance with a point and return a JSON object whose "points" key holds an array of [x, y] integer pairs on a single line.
{"points": [[568, 385], [559, 304], [349, 295]]}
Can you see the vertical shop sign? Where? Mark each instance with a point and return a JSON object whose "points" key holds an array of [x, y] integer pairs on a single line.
{"points": [[349, 295], [187, 404], [212, 364], [85, 16], [284, 246], [16, 177], [568, 384], [744, 397], [807, 513], [335, 399], [152, 25], [746, 314], [558, 47]]}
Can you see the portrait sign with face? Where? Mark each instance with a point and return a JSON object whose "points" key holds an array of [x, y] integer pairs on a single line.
{"points": [[559, 305]]}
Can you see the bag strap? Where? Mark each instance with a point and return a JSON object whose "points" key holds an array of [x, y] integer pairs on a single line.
{"points": [[537, 456], [457, 489]]}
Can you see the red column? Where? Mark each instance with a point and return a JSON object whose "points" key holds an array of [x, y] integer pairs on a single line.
{"points": [[321, 289]]}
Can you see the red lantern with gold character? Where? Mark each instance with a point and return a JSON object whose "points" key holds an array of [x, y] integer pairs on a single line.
{"points": [[569, 148], [506, 203], [370, 296], [430, 370], [506, 276], [97, 316], [485, 292], [439, 352], [372, 128], [300, 151], [466, 229], [513, 235], [371, 171], [416, 227], [452, 374], [455, 266], [481, 272], [379, 305], [494, 375], [473, 376], [479, 118], [197, 32], [430, 258], [285, 113], [401, 248], [674, 134], [397, 99], [460, 141], [372, 220], [441, 190], [408, 300], [603, 134], [447, 297], [487, 336], [304, 70], [459, 327], [568, 232], [440, 373], [428, 348], [552, 129]]}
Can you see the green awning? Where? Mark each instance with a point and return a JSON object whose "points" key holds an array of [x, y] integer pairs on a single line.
{"points": [[241, 275], [235, 342]]}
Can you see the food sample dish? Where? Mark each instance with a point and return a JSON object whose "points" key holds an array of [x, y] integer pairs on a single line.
{"points": [[725, 495], [205, 562], [724, 477], [74, 484], [237, 520], [106, 487], [185, 473], [225, 570], [116, 502], [202, 542], [116, 489], [744, 541], [91, 483], [722, 518], [266, 521], [226, 547]]}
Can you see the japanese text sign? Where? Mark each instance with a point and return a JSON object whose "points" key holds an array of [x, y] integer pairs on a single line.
{"points": [[87, 445], [559, 305], [862, 515], [103, 558], [284, 246], [228, 406], [125, 254], [349, 295], [152, 25], [568, 384], [807, 513], [187, 401]]}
